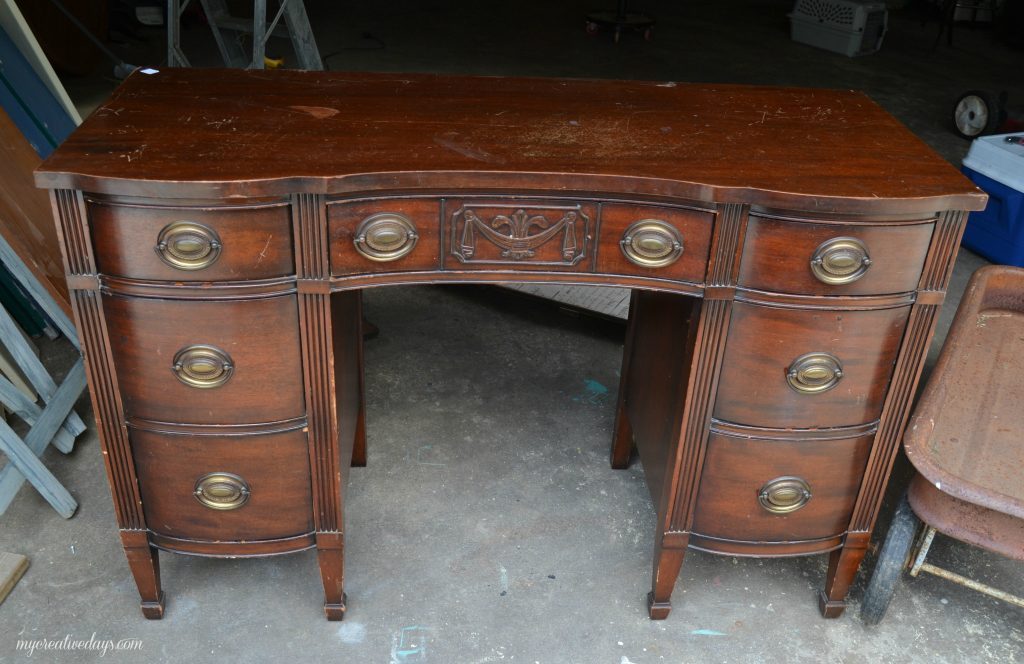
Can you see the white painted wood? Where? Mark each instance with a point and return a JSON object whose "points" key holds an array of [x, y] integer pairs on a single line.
{"points": [[13, 23], [599, 299]]}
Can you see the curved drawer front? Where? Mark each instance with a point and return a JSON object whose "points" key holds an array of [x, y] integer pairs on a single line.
{"points": [[191, 243], [779, 490], [627, 228], [197, 362], [224, 488], [807, 368], [833, 259], [386, 235]]}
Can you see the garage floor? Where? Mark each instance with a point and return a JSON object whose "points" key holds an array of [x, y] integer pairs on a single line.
{"points": [[488, 526]]}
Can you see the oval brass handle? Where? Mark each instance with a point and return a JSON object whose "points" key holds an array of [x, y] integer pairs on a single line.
{"points": [[202, 366], [188, 245], [221, 491], [652, 243], [385, 237], [841, 260], [784, 495], [814, 373]]}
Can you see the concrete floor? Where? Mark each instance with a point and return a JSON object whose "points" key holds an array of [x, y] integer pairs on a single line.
{"points": [[488, 526]]}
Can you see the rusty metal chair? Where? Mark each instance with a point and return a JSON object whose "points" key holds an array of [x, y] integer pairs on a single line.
{"points": [[966, 441]]}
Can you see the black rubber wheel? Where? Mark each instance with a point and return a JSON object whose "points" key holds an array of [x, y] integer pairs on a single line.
{"points": [[891, 562], [976, 113]]}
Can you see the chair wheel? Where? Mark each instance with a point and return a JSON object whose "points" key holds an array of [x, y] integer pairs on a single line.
{"points": [[892, 560]]}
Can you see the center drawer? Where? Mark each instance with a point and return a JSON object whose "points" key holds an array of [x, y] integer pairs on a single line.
{"points": [[807, 368], [224, 488], [207, 362]]}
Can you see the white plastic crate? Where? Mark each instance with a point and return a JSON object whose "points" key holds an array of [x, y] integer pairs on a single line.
{"points": [[842, 26]]}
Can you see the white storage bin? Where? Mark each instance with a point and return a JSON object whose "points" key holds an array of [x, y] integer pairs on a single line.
{"points": [[842, 26]]}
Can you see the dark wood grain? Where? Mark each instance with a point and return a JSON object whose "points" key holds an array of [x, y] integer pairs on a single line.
{"points": [[205, 132], [779, 253], [655, 385], [274, 466], [764, 341], [727, 505], [754, 179], [261, 337], [344, 218], [571, 249], [693, 225], [256, 241]]}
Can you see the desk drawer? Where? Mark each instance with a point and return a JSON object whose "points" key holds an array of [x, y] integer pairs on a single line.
{"points": [[224, 488], [848, 259], [388, 235], [807, 368], [640, 240], [197, 362], [779, 490], [192, 243]]}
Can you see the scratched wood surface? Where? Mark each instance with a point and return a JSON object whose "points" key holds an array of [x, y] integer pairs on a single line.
{"points": [[217, 132]]}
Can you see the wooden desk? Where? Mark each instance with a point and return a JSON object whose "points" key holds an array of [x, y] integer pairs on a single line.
{"points": [[788, 250]]}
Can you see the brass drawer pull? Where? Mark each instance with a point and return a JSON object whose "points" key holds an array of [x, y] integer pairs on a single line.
{"points": [[188, 245], [652, 243], [841, 260], [814, 373], [385, 237], [784, 495], [202, 366], [221, 491]]}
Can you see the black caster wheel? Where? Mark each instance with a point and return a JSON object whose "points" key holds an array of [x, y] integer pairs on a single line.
{"points": [[892, 560]]}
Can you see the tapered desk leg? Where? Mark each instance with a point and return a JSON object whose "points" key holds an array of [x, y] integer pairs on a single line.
{"points": [[842, 568], [667, 563], [144, 561], [330, 552], [622, 441]]}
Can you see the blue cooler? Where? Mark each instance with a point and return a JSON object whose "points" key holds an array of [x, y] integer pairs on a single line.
{"points": [[997, 232]]}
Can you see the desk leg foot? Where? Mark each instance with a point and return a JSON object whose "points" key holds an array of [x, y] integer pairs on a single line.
{"points": [[830, 608], [144, 562], [657, 610], [153, 610], [842, 568], [335, 612], [330, 553], [667, 563]]}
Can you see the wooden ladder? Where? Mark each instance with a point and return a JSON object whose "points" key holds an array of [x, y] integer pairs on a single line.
{"points": [[226, 29]]}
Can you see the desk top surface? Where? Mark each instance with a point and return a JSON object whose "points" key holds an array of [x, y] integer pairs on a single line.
{"points": [[198, 132]]}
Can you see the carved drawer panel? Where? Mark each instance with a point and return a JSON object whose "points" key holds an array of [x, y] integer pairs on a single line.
{"points": [[520, 234], [807, 368], [203, 362], [654, 241], [833, 259], [192, 243], [389, 235], [223, 487], [797, 489]]}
